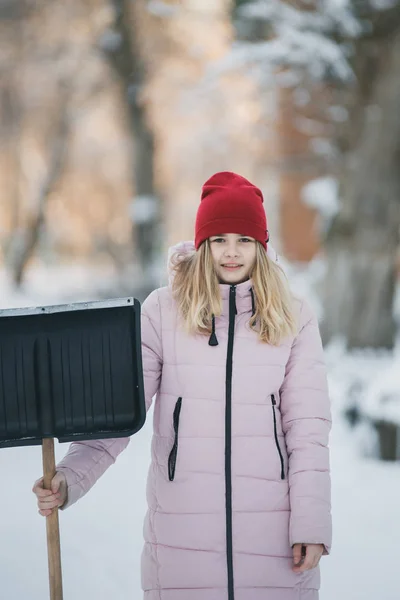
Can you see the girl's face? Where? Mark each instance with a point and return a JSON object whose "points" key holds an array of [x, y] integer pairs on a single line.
{"points": [[234, 256]]}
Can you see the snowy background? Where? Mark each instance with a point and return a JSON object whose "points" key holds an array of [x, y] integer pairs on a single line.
{"points": [[101, 536], [112, 115]]}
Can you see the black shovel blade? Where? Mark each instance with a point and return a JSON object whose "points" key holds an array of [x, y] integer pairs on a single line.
{"points": [[72, 372]]}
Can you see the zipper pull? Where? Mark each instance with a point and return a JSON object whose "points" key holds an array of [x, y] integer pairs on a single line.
{"points": [[233, 296], [213, 341], [273, 399]]}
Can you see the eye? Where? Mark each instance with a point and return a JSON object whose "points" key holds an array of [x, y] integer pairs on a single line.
{"points": [[218, 240], [243, 239]]}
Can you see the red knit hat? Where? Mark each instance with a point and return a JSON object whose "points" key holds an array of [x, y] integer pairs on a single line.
{"points": [[230, 204]]}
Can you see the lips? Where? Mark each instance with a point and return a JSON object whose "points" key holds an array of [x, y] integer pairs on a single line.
{"points": [[228, 266]]}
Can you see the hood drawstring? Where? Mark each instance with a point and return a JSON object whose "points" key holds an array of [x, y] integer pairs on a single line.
{"points": [[253, 303], [213, 341]]}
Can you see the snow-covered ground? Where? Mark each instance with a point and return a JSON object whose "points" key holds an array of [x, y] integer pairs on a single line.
{"points": [[102, 534]]}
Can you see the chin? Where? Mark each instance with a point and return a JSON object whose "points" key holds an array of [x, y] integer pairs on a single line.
{"points": [[233, 279]]}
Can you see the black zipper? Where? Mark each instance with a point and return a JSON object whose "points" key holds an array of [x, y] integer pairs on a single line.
{"points": [[174, 452], [228, 441], [276, 438]]}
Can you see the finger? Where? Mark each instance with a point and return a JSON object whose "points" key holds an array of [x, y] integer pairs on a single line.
{"points": [[315, 554], [43, 505], [48, 507], [38, 485], [49, 495], [298, 568], [52, 498], [42, 493], [297, 554], [45, 513], [311, 553], [309, 561], [39, 490], [55, 483], [301, 568], [46, 501]]}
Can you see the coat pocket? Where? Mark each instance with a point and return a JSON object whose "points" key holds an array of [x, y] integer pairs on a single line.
{"points": [[276, 438], [174, 452]]}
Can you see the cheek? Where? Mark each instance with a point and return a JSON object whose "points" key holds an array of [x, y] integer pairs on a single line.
{"points": [[251, 256], [215, 253]]}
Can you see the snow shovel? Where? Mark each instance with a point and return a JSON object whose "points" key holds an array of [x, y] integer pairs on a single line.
{"points": [[72, 372]]}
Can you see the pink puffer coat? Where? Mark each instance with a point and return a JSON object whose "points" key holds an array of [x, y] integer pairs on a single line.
{"points": [[240, 460]]}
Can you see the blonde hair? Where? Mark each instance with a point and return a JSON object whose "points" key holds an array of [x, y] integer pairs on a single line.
{"points": [[195, 287]]}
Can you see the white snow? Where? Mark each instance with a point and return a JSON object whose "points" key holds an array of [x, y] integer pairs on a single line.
{"points": [[307, 39], [161, 9], [307, 50], [383, 4], [338, 114], [301, 96], [323, 146], [322, 194], [324, 16], [372, 380], [101, 535], [110, 40], [143, 209]]}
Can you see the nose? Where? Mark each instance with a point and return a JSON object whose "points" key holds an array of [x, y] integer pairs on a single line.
{"points": [[231, 250]]}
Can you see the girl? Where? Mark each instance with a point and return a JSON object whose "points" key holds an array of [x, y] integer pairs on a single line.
{"points": [[239, 486]]}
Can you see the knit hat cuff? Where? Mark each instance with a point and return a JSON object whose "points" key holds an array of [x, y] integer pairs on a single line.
{"points": [[231, 225]]}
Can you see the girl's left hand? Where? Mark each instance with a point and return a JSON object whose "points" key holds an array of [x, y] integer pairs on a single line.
{"points": [[306, 556]]}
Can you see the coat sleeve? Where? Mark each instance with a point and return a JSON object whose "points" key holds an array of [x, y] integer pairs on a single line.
{"points": [[306, 423], [85, 462], [151, 346]]}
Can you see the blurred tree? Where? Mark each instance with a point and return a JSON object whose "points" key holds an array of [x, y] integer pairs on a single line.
{"points": [[12, 11], [354, 49], [11, 109], [38, 135], [25, 240], [51, 81], [363, 238], [121, 46], [20, 246]]}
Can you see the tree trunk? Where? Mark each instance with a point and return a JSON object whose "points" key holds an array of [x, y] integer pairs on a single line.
{"points": [[24, 242], [127, 63], [363, 239]]}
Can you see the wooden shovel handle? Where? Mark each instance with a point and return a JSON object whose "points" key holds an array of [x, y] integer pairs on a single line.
{"points": [[52, 526]]}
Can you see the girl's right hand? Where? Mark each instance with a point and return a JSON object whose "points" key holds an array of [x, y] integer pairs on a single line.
{"points": [[49, 499]]}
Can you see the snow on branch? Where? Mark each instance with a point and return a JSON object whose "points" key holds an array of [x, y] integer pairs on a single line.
{"points": [[308, 50], [383, 4], [314, 41], [328, 17], [322, 195], [161, 9]]}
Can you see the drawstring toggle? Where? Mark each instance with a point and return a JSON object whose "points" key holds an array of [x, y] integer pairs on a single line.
{"points": [[213, 341]]}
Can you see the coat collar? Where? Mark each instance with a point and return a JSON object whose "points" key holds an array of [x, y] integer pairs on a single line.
{"points": [[244, 302]]}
